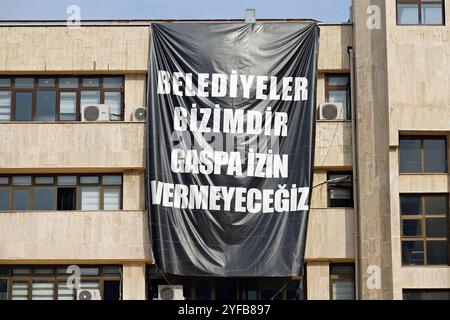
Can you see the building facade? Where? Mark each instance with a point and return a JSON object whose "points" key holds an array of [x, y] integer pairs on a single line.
{"points": [[73, 193]]}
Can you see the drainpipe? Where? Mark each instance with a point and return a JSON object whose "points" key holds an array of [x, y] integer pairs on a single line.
{"points": [[358, 273]]}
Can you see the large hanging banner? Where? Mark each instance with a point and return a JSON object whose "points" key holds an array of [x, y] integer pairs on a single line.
{"points": [[230, 146]]}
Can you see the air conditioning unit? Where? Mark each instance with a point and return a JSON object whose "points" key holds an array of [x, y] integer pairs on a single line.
{"points": [[332, 111], [88, 294], [95, 112], [140, 114], [166, 292]]}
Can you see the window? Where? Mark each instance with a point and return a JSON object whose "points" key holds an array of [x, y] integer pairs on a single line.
{"points": [[61, 192], [426, 294], [340, 189], [231, 288], [423, 155], [415, 12], [50, 282], [342, 282], [424, 229], [58, 98], [337, 89]]}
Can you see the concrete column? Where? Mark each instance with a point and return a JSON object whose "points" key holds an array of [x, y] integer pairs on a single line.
{"points": [[133, 190], [372, 143], [318, 280], [133, 284]]}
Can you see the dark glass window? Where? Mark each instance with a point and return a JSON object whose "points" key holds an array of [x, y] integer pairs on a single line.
{"points": [[342, 282], [44, 198], [3, 289], [203, 290], [337, 89], [423, 155], [58, 98], [61, 192], [226, 289], [340, 189], [45, 105], [426, 294], [21, 199], [425, 228], [24, 106], [415, 12]]}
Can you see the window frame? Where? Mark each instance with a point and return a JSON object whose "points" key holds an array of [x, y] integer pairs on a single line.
{"points": [[337, 185], [56, 278], [346, 88], [333, 277], [422, 217], [422, 153], [419, 8], [78, 185], [58, 90]]}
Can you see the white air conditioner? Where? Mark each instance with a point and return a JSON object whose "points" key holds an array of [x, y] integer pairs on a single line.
{"points": [[140, 114], [166, 292], [332, 111], [88, 294], [95, 112]]}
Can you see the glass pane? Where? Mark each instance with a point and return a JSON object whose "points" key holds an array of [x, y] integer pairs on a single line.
{"points": [[90, 180], [111, 290], [46, 82], [42, 290], [90, 97], [108, 180], [89, 271], [44, 180], [410, 205], [338, 97], [3, 289], [45, 105], [5, 82], [114, 101], [437, 228], [111, 199], [4, 180], [90, 199], [342, 269], [91, 82], [338, 80], [426, 294], [21, 181], [408, 13], [68, 83], [409, 155], [343, 290], [431, 13], [44, 199], [412, 228], [5, 105], [24, 82], [67, 180], [20, 290], [68, 106], [248, 289], [24, 108], [294, 291], [112, 82], [437, 252], [4, 199], [21, 271], [412, 253], [21, 199], [434, 155], [340, 193], [45, 271], [66, 199], [436, 204], [64, 293], [111, 270], [270, 289]]}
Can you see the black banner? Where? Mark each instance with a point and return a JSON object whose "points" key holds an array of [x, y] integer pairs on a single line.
{"points": [[230, 146]]}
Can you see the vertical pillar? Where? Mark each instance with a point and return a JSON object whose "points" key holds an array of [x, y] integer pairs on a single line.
{"points": [[318, 280], [372, 144], [133, 282]]}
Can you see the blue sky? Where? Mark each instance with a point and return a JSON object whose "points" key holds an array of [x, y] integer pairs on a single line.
{"points": [[323, 10]]}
